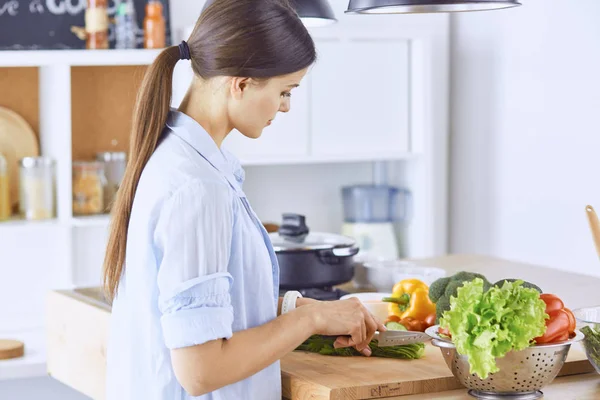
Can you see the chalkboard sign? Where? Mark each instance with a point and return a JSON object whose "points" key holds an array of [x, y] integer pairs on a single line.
{"points": [[46, 24]]}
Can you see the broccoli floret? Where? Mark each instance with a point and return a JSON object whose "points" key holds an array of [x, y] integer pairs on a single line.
{"points": [[525, 284], [441, 306], [437, 288], [452, 288], [441, 290], [467, 276]]}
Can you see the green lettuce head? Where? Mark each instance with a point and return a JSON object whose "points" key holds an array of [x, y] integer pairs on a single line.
{"points": [[486, 325]]}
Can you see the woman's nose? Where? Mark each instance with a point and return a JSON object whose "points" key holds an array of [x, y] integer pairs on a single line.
{"points": [[285, 106]]}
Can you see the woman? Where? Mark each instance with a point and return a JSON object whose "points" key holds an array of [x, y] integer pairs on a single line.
{"points": [[190, 269]]}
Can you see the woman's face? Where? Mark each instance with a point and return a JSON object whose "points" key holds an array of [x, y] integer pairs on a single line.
{"points": [[255, 103]]}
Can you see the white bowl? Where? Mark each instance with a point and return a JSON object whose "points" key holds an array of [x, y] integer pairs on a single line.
{"points": [[380, 274], [372, 302], [408, 270]]}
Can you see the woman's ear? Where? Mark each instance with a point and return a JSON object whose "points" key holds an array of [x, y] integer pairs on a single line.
{"points": [[238, 85]]}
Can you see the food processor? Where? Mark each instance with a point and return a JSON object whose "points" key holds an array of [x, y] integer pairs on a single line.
{"points": [[370, 214]]}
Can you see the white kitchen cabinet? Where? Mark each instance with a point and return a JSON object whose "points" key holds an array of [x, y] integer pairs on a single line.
{"points": [[360, 98], [286, 137]]}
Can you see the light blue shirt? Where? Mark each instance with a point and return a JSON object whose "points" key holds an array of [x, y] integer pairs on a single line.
{"points": [[199, 266]]}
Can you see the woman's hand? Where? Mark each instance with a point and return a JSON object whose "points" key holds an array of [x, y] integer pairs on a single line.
{"points": [[348, 319]]}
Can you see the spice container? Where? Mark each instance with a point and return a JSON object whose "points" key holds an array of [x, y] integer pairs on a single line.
{"points": [[89, 182], [37, 188], [114, 168], [96, 24], [125, 26], [154, 25], [4, 190]]}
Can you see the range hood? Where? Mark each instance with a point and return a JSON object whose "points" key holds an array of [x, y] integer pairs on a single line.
{"points": [[425, 6]]}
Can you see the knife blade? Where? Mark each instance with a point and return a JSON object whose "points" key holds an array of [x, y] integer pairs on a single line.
{"points": [[398, 338]]}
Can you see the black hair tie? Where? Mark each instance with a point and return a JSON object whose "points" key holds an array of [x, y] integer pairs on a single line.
{"points": [[184, 51]]}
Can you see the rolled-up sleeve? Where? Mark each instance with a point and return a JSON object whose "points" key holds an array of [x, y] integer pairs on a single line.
{"points": [[193, 243]]}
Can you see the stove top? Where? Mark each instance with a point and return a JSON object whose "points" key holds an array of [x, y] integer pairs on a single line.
{"points": [[327, 293]]}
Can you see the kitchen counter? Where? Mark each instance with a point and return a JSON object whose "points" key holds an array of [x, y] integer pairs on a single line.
{"points": [[575, 290], [576, 387], [78, 324]]}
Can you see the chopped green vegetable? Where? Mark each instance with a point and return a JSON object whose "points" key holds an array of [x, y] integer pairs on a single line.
{"points": [[525, 284], [592, 344], [441, 290], [395, 326], [324, 345], [488, 324]]}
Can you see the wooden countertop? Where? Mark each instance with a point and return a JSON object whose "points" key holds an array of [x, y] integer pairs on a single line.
{"points": [[576, 387], [576, 291]]}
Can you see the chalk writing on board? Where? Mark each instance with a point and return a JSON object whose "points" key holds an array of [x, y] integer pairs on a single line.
{"points": [[36, 7], [10, 7], [72, 7], [46, 24]]}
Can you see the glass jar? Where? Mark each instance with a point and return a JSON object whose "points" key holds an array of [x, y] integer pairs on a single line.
{"points": [[37, 188], [89, 183], [4, 190], [114, 168]]}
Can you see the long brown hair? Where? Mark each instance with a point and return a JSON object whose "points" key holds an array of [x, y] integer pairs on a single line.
{"points": [[243, 38]]}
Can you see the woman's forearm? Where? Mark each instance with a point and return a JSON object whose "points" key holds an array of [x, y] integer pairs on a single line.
{"points": [[207, 367]]}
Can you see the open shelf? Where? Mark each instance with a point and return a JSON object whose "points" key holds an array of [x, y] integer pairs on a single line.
{"points": [[19, 92], [102, 102], [30, 58]]}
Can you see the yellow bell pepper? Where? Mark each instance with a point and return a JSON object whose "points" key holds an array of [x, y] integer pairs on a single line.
{"points": [[410, 299]]}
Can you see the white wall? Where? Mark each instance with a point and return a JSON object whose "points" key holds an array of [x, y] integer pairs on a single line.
{"points": [[525, 132]]}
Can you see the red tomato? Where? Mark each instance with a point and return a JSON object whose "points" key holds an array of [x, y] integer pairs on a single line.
{"points": [[553, 303], [430, 320], [556, 327], [572, 321]]}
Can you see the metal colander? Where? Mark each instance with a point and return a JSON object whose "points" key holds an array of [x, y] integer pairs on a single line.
{"points": [[521, 373]]}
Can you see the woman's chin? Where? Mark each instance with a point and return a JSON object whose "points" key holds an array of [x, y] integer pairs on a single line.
{"points": [[253, 134]]}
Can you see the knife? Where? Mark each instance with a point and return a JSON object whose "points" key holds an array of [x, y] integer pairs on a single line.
{"points": [[398, 338]]}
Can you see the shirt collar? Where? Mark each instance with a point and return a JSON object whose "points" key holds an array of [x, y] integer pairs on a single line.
{"points": [[191, 132]]}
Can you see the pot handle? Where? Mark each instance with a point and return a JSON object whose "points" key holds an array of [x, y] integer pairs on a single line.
{"points": [[340, 252]]}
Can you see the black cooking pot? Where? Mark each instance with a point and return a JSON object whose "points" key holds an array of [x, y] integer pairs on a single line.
{"points": [[311, 260]]}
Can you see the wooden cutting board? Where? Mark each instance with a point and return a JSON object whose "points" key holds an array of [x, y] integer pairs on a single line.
{"points": [[316, 377]]}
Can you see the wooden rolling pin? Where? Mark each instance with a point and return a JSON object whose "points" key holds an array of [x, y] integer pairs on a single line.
{"points": [[594, 226]]}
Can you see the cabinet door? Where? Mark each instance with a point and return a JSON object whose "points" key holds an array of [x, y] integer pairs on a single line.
{"points": [[360, 98], [286, 137]]}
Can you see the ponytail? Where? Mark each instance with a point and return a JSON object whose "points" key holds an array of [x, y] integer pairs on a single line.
{"points": [[150, 115]]}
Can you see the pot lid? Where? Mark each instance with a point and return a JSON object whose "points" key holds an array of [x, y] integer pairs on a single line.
{"points": [[294, 235], [312, 241]]}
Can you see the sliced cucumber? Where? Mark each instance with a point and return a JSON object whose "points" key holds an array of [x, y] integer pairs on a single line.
{"points": [[395, 326]]}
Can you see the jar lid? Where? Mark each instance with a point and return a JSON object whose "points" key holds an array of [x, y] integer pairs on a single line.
{"points": [[107, 156], [32, 162]]}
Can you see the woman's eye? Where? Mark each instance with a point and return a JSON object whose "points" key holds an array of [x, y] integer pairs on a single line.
{"points": [[286, 94]]}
